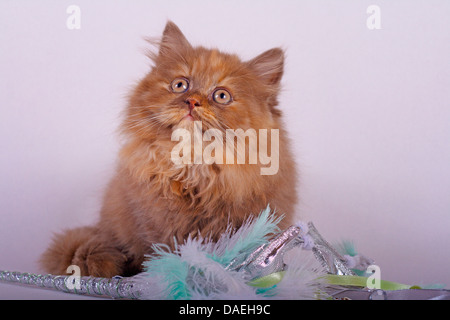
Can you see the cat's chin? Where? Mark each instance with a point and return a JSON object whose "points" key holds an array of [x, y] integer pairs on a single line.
{"points": [[187, 122]]}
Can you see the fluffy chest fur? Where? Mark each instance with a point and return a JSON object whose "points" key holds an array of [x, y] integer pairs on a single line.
{"points": [[170, 201]]}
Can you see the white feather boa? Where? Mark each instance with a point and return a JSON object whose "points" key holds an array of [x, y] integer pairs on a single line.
{"points": [[197, 270]]}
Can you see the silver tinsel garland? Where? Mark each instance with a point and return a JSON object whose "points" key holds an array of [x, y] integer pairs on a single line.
{"points": [[120, 288]]}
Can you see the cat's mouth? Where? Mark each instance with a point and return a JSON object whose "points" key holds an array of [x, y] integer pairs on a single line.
{"points": [[191, 115], [188, 117]]}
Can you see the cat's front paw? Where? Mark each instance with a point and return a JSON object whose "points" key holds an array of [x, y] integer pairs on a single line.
{"points": [[100, 261]]}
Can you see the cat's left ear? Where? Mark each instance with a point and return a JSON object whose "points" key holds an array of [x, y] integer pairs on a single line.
{"points": [[269, 66], [173, 40]]}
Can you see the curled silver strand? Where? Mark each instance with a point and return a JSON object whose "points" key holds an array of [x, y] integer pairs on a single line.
{"points": [[330, 259], [268, 258]]}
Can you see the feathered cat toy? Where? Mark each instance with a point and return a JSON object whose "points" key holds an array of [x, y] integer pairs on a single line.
{"points": [[257, 261]]}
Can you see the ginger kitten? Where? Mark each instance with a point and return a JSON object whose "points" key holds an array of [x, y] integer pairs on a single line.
{"points": [[151, 199]]}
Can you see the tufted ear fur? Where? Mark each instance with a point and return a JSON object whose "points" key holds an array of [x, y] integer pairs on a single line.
{"points": [[269, 66], [173, 41]]}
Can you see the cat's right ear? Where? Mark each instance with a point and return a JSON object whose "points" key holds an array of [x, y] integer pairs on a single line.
{"points": [[269, 66], [173, 41]]}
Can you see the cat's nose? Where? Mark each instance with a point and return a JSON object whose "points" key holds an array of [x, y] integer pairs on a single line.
{"points": [[192, 103]]}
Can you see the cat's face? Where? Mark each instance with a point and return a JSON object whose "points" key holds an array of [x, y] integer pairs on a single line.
{"points": [[190, 84]]}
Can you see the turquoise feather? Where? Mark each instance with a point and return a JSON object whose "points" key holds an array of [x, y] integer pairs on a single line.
{"points": [[348, 247], [252, 234], [190, 268]]}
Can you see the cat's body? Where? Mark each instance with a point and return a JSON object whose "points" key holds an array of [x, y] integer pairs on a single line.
{"points": [[151, 200]]}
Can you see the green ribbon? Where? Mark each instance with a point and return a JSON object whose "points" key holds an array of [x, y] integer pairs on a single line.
{"points": [[267, 281], [352, 281], [358, 281]]}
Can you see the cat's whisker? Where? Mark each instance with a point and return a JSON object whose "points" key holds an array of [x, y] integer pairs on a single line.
{"points": [[212, 121]]}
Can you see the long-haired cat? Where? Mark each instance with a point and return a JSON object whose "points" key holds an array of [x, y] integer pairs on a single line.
{"points": [[151, 199]]}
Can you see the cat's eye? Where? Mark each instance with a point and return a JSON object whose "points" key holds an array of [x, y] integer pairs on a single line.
{"points": [[179, 85], [222, 96]]}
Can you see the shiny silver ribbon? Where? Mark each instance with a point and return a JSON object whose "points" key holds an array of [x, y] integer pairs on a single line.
{"points": [[268, 258]]}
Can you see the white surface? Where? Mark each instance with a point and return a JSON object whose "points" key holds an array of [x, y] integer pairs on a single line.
{"points": [[368, 112]]}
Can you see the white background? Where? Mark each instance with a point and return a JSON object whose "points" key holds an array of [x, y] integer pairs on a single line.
{"points": [[368, 112]]}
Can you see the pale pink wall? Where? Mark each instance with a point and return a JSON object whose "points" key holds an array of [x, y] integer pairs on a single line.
{"points": [[368, 112]]}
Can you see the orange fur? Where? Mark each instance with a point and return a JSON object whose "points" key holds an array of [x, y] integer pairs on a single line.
{"points": [[150, 199]]}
